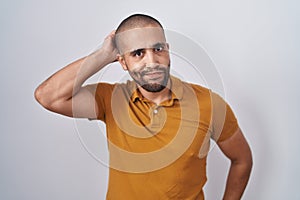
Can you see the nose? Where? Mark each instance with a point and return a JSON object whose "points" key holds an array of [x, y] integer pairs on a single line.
{"points": [[150, 57]]}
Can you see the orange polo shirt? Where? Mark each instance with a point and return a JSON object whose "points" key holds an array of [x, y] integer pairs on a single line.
{"points": [[159, 151]]}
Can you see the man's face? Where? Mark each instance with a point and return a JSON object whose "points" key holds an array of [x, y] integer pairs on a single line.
{"points": [[144, 53]]}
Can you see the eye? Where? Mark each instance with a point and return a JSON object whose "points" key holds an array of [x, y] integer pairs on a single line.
{"points": [[137, 53], [159, 48]]}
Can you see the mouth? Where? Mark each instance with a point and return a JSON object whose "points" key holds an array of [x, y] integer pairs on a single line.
{"points": [[154, 75]]}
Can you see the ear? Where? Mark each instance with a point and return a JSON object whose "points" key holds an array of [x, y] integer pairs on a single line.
{"points": [[122, 61], [168, 46]]}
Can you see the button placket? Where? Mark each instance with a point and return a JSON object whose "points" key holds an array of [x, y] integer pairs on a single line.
{"points": [[155, 116]]}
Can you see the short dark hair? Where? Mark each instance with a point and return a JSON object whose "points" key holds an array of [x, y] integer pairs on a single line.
{"points": [[136, 21]]}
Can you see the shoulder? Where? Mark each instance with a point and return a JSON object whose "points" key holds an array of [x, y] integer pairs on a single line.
{"points": [[109, 87], [178, 83], [199, 89], [100, 88], [105, 90], [202, 92]]}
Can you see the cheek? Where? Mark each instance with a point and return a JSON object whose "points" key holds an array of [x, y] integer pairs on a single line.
{"points": [[164, 59], [135, 66]]}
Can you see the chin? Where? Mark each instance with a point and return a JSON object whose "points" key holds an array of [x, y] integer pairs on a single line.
{"points": [[153, 87]]}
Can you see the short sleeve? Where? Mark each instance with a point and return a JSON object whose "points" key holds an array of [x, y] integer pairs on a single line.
{"points": [[224, 121], [102, 93]]}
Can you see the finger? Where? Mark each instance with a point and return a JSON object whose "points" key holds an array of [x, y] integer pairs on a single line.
{"points": [[111, 34]]}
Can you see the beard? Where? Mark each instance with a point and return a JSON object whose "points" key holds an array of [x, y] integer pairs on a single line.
{"points": [[152, 79]]}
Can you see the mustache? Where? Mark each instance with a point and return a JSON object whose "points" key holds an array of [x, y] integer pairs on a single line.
{"points": [[152, 69]]}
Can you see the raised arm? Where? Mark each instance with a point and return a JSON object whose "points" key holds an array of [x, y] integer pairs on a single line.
{"points": [[63, 92]]}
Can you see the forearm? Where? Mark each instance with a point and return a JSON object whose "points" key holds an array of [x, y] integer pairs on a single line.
{"points": [[237, 180], [65, 83]]}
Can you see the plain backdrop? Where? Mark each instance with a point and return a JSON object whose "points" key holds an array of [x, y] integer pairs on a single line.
{"points": [[254, 45]]}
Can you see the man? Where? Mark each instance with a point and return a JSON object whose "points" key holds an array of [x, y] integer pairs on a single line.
{"points": [[158, 127]]}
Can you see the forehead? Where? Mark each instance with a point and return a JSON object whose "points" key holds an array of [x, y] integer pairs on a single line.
{"points": [[139, 38]]}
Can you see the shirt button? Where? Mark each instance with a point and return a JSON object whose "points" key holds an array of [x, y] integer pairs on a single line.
{"points": [[155, 111]]}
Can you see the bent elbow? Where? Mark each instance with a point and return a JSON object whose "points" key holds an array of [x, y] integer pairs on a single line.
{"points": [[41, 97], [37, 94]]}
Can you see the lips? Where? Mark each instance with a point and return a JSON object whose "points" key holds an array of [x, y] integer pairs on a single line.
{"points": [[153, 71], [154, 75]]}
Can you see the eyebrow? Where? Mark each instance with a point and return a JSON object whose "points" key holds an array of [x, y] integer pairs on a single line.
{"points": [[158, 44], [136, 50]]}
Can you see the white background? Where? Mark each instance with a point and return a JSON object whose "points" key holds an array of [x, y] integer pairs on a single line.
{"points": [[254, 44]]}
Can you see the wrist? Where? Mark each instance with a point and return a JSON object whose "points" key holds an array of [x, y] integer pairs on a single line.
{"points": [[103, 57], [100, 57]]}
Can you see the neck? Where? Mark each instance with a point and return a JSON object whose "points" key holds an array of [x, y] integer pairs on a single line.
{"points": [[157, 97]]}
